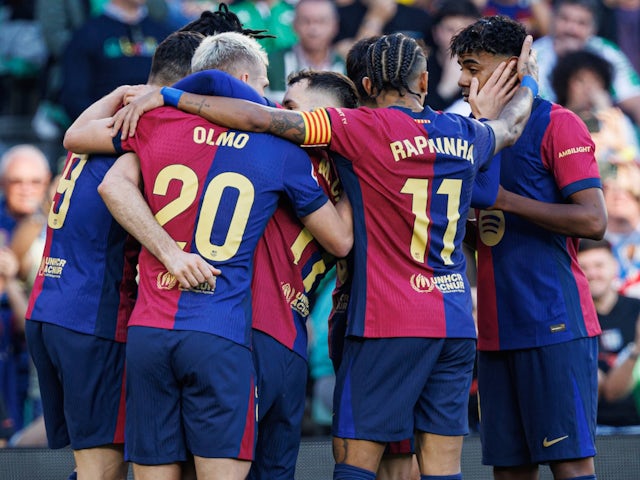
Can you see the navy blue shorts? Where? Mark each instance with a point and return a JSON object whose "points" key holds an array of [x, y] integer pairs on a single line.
{"points": [[387, 388], [282, 381], [81, 381], [188, 392], [538, 405]]}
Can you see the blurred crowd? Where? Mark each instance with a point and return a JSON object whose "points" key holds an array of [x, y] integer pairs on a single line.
{"points": [[59, 56]]}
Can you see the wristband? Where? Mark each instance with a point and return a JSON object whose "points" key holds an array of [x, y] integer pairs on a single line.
{"points": [[530, 82], [171, 96]]}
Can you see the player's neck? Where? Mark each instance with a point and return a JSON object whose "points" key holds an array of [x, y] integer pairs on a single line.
{"points": [[392, 98]]}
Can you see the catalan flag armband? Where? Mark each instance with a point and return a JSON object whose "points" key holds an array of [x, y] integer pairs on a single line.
{"points": [[317, 128]]}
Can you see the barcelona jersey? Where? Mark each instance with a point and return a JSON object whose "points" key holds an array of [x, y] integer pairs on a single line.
{"points": [[213, 190], [409, 177], [531, 290], [86, 280], [289, 264]]}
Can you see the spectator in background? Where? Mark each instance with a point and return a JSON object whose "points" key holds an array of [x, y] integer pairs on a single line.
{"points": [[573, 28], [582, 81], [181, 12], [624, 378], [110, 50], [444, 71], [618, 316], [535, 15], [23, 55], [24, 175], [273, 16], [360, 19], [622, 199], [626, 20], [316, 25], [59, 19]]}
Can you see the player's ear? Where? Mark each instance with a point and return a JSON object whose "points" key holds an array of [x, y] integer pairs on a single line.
{"points": [[368, 87], [423, 82]]}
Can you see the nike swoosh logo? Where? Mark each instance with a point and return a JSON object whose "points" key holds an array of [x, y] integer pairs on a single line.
{"points": [[547, 443]]}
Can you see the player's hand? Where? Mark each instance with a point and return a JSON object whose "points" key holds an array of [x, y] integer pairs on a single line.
{"points": [[9, 264], [134, 92], [191, 270], [126, 119], [527, 62], [495, 93]]}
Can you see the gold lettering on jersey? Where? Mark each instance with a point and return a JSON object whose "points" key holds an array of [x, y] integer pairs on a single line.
{"points": [[51, 267], [574, 150], [201, 288], [298, 301], [207, 136], [326, 172], [456, 147], [451, 283]]}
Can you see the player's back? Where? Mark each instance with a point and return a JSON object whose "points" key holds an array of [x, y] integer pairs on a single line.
{"points": [[213, 190], [86, 279], [409, 178]]}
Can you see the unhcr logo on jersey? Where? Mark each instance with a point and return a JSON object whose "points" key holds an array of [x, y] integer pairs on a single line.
{"points": [[451, 283], [51, 267], [297, 300]]}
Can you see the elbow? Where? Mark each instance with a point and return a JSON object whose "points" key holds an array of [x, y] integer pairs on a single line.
{"points": [[596, 226], [70, 142], [341, 246], [104, 189]]}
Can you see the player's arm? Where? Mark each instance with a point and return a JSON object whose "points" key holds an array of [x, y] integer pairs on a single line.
{"points": [[230, 112], [585, 215], [332, 226], [512, 119], [91, 133], [120, 190]]}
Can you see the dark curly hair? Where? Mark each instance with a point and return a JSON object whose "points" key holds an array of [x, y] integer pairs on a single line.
{"points": [[394, 62], [333, 83], [497, 35], [220, 21], [573, 62]]}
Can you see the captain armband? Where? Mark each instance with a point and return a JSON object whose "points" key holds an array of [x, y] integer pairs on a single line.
{"points": [[317, 128]]}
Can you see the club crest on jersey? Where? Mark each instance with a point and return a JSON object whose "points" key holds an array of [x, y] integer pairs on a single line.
{"points": [[491, 226], [166, 281], [51, 267]]}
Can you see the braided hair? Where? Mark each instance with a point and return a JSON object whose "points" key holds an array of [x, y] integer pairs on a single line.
{"points": [[220, 21], [394, 62]]}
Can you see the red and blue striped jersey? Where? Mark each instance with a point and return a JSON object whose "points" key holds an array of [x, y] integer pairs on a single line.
{"points": [[531, 290], [213, 190], [289, 264], [409, 178], [86, 280]]}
